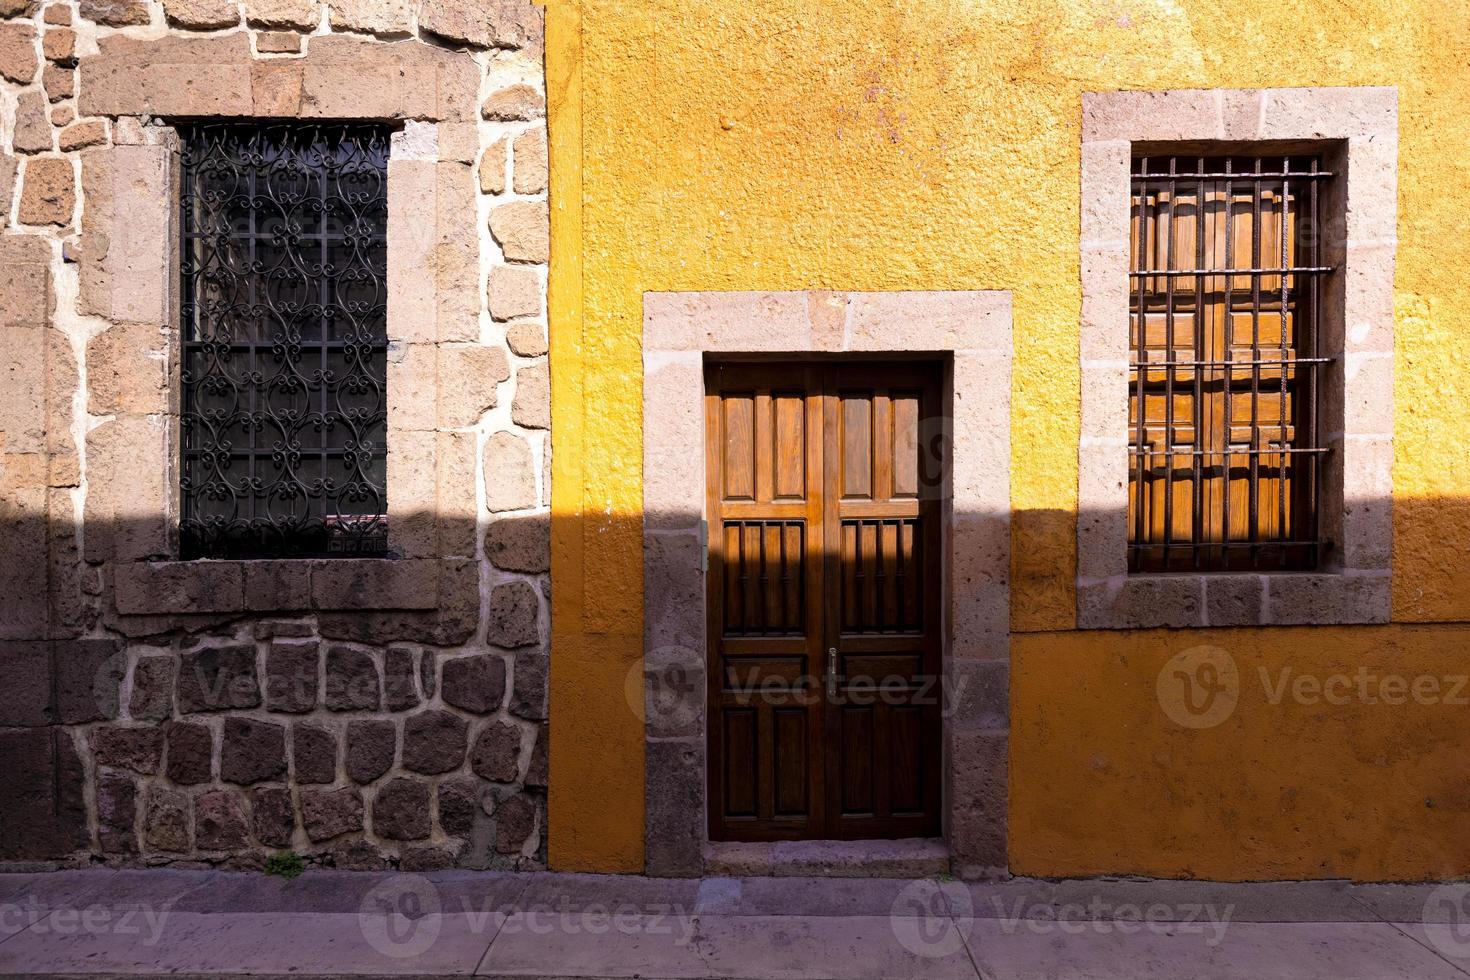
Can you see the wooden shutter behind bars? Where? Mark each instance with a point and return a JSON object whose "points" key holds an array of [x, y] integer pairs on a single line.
{"points": [[1224, 452]]}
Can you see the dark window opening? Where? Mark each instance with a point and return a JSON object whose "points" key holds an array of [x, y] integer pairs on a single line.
{"points": [[284, 327], [1225, 371]]}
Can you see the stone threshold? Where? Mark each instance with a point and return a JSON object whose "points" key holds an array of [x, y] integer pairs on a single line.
{"points": [[913, 857]]}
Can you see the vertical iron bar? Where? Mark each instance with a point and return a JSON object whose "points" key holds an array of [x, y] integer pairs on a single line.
{"points": [[1254, 485], [1202, 345], [1281, 531], [1141, 490], [1309, 404], [1229, 374], [1169, 372]]}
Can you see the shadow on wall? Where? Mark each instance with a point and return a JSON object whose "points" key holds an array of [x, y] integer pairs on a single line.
{"points": [[167, 710], [1292, 752]]}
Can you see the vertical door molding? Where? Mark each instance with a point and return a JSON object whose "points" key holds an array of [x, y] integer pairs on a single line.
{"points": [[972, 330]]}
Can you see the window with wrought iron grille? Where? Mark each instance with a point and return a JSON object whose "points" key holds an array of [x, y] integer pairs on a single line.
{"points": [[284, 328], [1225, 376]]}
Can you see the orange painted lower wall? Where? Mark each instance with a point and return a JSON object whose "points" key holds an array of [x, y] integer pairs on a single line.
{"points": [[1344, 754]]}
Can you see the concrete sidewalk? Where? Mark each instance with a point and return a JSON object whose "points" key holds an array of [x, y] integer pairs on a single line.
{"points": [[459, 923]]}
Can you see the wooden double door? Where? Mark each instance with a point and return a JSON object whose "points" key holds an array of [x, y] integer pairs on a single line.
{"points": [[824, 582]]}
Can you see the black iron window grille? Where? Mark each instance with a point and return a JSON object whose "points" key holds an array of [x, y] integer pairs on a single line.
{"points": [[284, 325], [1225, 376]]}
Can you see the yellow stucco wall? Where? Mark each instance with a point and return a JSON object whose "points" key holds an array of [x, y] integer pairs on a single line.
{"points": [[933, 144]]}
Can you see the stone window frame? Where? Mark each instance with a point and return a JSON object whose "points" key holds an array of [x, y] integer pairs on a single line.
{"points": [[430, 98], [971, 332], [1357, 130]]}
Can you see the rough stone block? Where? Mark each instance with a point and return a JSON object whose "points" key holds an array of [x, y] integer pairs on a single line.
{"points": [[43, 812], [468, 377], [278, 42], [514, 103], [272, 815], [528, 695], [433, 742], [252, 751], [217, 679], [371, 747], [82, 135], [675, 800], [302, 14], [382, 17], [88, 677], [8, 167], [520, 544], [497, 753], [532, 405], [127, 369], [523, 231], [529, 163], [291, 669], [166, 820], [352, 680], [474, 683], [204, 15], [60, 83], [357, 855], [457, 20], [492, 169], [459, 802], [526, 339], [115, 13], [510, 473], [219, 821], [59, 44], [117, 813], [25, 698], [313, 754], [514, 618], [400, 691], [537, 772], [18, 61], [401, 810], [126, 515], [153, 689], [515, 821], [26, 294], [330, 813], [47, 191], [132, 748], [277, 87], [190, 753], [372, 583]]}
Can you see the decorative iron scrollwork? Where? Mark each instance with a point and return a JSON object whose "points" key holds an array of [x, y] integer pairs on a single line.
{"points": [[284, 323]]}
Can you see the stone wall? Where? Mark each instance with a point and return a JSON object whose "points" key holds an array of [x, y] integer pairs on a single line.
{"points": [[359, 712]]}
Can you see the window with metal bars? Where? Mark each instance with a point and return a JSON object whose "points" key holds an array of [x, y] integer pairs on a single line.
{"points": [[284, 326], [1225, 282]]}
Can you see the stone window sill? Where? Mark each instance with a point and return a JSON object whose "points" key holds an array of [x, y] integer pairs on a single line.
{"points": [[208, 586], [1178, 600]]}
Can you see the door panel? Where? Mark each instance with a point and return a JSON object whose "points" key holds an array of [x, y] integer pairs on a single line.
{"points": [[823, 596]]}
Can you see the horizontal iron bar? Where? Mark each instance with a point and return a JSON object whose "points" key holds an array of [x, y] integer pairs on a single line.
{"points": [[1280, 175], [1288, 450], [1291, 270], [1135, 365], [1206, 545]]}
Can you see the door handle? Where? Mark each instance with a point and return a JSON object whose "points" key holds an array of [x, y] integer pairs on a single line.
{"points": [[831, 673]]}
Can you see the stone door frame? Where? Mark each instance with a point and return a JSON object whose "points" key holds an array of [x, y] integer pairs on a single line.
{"points": [[971, 331]]}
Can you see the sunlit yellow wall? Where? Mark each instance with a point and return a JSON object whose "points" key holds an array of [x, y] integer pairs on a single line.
{"points": [[933, 144]]}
